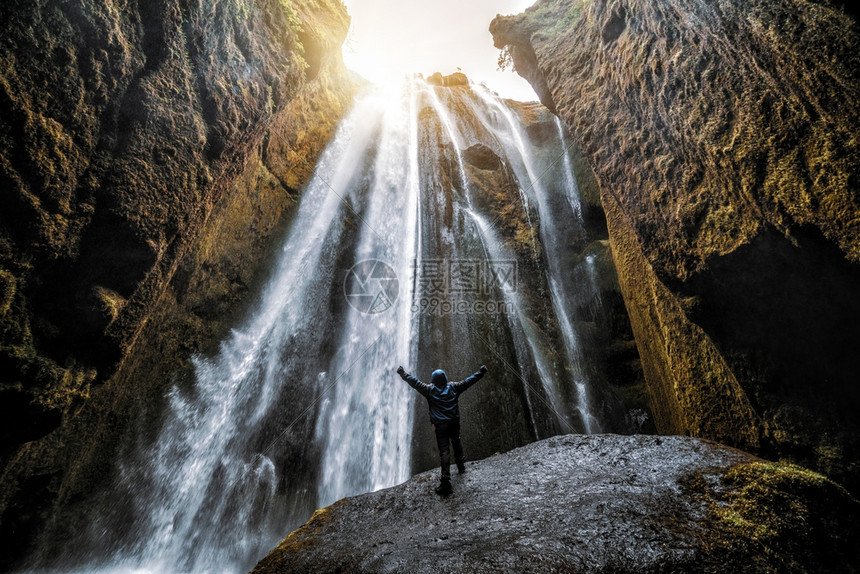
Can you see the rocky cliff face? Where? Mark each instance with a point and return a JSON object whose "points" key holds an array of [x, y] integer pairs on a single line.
{"points": [[724, 140], [507, 413], [148, 153], [600, 503]]}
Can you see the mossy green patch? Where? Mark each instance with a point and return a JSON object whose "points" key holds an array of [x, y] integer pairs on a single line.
{"points": [[787, 515], [554, 18], [303, 538], [66, 387], [296, 27]]}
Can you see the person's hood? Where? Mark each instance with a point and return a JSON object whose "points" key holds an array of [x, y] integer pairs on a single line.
{"points": [[439, 378]]}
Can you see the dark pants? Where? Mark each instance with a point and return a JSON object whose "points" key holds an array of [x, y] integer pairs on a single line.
{"points": [[449, 432]]}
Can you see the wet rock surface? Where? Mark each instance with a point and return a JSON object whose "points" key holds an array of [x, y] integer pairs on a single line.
{"points": [[583, 504]]}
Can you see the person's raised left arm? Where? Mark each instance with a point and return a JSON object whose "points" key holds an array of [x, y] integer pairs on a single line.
{"points": [[470, 380]]}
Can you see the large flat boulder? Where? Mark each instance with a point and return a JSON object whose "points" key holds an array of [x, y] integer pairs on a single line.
{"points": [[599, 503]]}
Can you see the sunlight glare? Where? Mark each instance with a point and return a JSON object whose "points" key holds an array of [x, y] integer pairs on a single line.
{"points": [[390, 39]]}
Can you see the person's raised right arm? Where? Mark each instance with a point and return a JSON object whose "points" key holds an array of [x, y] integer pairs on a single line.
{"points": [[413, 382]]}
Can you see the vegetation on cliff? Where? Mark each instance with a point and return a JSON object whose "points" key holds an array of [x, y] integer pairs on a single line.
{"points": [[783, 515]]}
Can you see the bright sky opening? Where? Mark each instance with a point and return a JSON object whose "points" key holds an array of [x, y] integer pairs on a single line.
{"points": [[389, 39]]}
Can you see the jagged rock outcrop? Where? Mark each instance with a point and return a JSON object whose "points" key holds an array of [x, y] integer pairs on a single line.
{"points": [[455, 79], [724, 137], [148, 154], [600, 503]]}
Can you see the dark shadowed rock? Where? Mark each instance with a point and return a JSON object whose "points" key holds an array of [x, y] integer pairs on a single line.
{"points": [[599, 503], [482, 157]]}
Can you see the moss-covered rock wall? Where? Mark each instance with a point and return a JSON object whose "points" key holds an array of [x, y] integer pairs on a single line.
{"points": [[724, 137], [150, 153]]}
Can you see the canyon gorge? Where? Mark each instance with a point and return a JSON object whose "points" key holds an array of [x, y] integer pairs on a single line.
{"points": [[217, 244]]}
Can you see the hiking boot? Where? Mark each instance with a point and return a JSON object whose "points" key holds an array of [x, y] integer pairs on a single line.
{"points": [[444, 488], [461, 467]]}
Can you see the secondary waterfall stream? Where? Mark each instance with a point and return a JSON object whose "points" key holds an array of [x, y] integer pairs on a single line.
{"points": [[401, 252]]}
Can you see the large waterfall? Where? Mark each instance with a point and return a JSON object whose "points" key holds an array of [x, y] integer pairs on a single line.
{"points": [[441, 229]]}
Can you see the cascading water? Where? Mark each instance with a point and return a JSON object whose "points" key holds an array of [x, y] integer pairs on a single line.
{"points": [[203, 495], [556, 235], [495, 252], [301, 406], [570, 186], [521, 326], [365, 424]]}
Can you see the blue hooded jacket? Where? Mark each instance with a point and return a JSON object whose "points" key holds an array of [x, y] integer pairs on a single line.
{"points": [[441, 395]]}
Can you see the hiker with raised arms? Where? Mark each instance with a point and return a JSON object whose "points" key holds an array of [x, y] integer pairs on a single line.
{"points": [[442, 397]]}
